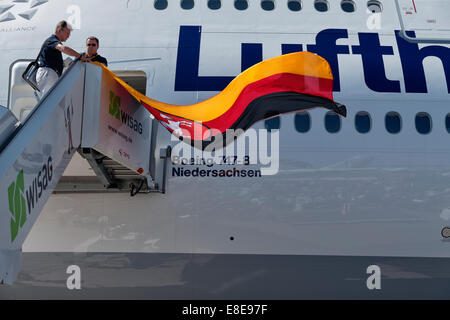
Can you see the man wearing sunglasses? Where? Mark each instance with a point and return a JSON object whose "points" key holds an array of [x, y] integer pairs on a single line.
{"points": [[91, 54]]}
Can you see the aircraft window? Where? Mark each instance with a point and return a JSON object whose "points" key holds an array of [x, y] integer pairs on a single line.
{"points": [[267, 5], [447, 122], [321, 5], [241, 4], [187, 4], [423, 123], [302, 122], [363, 122], [295, 5], [393, 122], [214, 4], [160, 4], [332, 122], [348, 6], [374, 6], [272, 123]]}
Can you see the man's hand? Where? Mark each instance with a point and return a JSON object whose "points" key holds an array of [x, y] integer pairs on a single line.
{"points": [[83, 58]]}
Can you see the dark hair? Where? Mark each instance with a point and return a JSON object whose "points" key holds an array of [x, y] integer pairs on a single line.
{"points": [[62, 25], [93, 38]]}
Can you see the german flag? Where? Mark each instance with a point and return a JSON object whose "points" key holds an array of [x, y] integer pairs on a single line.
{"points": [[287, 83]]}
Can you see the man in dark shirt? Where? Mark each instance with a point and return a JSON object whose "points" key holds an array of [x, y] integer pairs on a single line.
{"points": [[92, 45], [50, 59]]}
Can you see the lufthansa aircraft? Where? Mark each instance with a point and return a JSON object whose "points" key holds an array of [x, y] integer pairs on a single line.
{"points": [[317, 205]]}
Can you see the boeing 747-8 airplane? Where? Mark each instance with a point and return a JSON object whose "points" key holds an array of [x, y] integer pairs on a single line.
{"points": [[315, 205]]}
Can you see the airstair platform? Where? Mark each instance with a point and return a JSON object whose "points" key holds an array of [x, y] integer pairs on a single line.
{"points": [[86, 112]]}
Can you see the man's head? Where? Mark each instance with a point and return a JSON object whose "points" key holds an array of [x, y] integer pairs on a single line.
{"points": [[91, 46], [62, 30]]}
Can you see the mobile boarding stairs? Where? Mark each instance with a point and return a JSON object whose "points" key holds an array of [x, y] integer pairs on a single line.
{"points": [[89, 112]]}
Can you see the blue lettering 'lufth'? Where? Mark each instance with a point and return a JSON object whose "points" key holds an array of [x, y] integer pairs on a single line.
{"points": [[188, 59], [291, 48], [327, 48], [369, 48], [252, 53], [372, 58], [186, 77], [412, 62]]}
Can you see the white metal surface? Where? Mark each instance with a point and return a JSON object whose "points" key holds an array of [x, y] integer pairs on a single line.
{"points": [[35, 159], [115, 124], [8, 124]]}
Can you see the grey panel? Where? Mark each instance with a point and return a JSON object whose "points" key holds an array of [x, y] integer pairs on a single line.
{"points": [[212, 276]]}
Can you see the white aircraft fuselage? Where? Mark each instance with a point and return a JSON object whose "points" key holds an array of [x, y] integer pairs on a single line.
{"points": [[344, 193]]}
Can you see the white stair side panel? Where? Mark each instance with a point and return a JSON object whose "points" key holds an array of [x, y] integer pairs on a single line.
{"points": [[115, 124], [35, 159]]}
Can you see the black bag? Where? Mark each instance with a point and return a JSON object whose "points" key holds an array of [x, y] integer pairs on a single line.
{"points": [[29, 75]]}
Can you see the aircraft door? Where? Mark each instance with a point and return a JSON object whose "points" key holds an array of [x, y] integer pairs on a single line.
{"points": [[21, 96], [427, 18]]}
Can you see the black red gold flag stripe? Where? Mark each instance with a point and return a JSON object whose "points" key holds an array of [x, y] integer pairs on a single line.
{"points": [[287, 83]]}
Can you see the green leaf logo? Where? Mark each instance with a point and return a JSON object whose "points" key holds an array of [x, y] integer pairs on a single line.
{"points": [[17, 205], [114, 105]]}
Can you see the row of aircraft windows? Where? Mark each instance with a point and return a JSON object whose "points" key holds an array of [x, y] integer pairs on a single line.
{"points": [[363, 122], [269, 5]]}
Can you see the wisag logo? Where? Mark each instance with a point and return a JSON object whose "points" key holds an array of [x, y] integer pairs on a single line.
{"points": [[25, 9], [17, 205], [119, 114], [21, 198]]}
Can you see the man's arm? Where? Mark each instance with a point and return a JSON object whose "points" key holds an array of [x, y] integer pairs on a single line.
{"points": [[69, 51]]}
